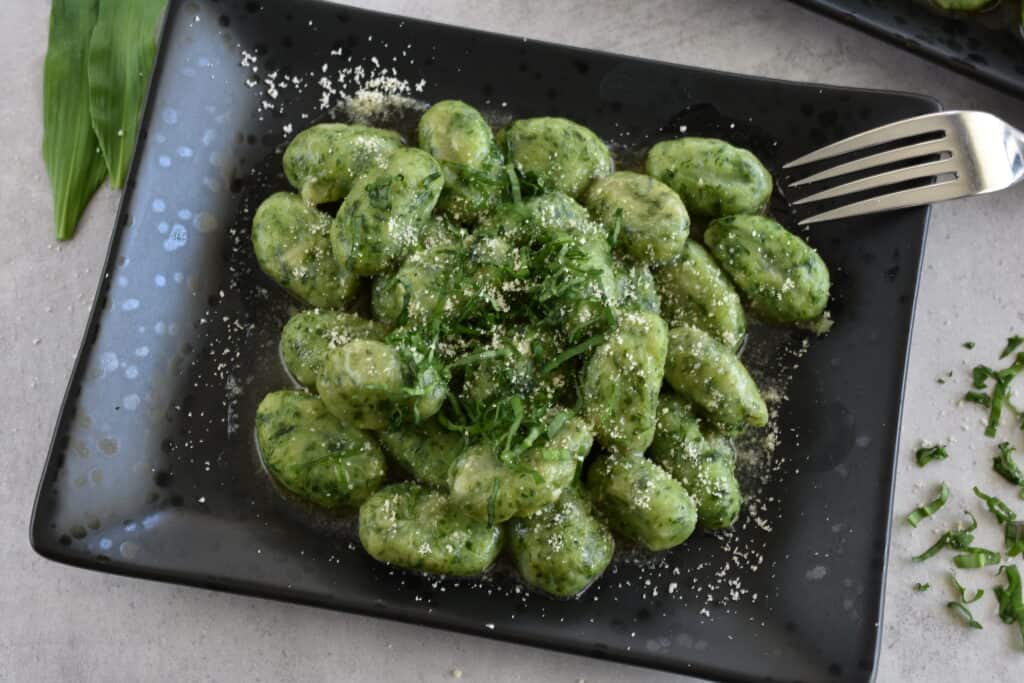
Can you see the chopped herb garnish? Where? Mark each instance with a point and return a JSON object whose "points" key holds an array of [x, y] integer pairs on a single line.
{"points": [[997, 507], [948, 375], [1006, 467], [968, 345], [976, 558], [963, 591], [926, 454], [979, 398], [1011, 345], [570, 353], [1013, 535], [492, 502], [1011, 604], [957, 540], [980, 374], [1000, 392], [922, 587], [965, 613], [929, 509]]}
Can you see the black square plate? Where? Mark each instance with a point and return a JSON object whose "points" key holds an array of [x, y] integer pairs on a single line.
{"points": [[986, 45], [153, 471]]}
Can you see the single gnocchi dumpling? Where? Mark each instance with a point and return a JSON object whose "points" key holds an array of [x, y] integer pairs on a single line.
{"points": [[562, 548], [713, 177], [309, 335], [314, 455], [621, 382], [414, 527], [489, 488], [324, 161], [644, 217], [382, 219], [779, 274], [694, 290], [457, 136], [707, 373], [293, 246], [426, 451], [366, 383], [641, 501], [553, 154], [701, 460]]}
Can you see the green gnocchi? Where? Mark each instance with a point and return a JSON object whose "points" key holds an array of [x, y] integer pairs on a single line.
{"points": [[292, 245], [713, 177], [523, 301], [314, 455]]}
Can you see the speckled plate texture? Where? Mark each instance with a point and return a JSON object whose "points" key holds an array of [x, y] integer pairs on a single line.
{"points": [[986, 45], [153, 471]]}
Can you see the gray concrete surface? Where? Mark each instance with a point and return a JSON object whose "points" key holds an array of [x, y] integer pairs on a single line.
{"points": [[58, 623]]}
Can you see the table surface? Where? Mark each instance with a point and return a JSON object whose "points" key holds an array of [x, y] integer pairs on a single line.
{"points": [[61, 623]]}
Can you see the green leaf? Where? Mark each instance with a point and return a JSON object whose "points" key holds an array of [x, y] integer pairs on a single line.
{"points": [[70, 151], [121, 57]]}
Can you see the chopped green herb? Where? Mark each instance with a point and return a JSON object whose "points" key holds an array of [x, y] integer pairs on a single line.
{"points": [[926, 454], [948, 375], [979, 398], [957, 540], [1006, 467], [1000, 392], [976, 558], [929, 509], [997, 507], [922, 587], [1011, 345], [965, 613], [1013, 536], [981, 374], [963, 591], [1011, 604], [968, 345]]}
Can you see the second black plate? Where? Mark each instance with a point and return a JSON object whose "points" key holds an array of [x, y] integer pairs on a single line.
{"points": [[985, 45]]}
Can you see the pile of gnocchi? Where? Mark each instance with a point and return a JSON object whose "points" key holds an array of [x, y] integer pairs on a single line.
{"points": [[548, 360]]}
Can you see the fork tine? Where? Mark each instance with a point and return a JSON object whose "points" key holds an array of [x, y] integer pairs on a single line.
{"points": [[919, 125], [932, 168], [917, 196], [920, 149]]}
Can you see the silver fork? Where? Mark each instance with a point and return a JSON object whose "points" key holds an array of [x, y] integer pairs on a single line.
{"points": [[978, 153]]}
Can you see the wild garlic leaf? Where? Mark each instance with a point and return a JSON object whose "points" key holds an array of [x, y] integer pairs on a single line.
{"points": [[70, 148], [121, 57]]}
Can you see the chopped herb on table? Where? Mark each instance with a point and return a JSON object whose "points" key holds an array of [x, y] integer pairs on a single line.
{"points": [[1005, 465], [1011, 604], [929, 509], [956, 540], [1012, 345], [968, 345], [997, 507], [961, 609], [926, 454], [981, 374], [963, 591], [976, 558], [922, 587]]}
